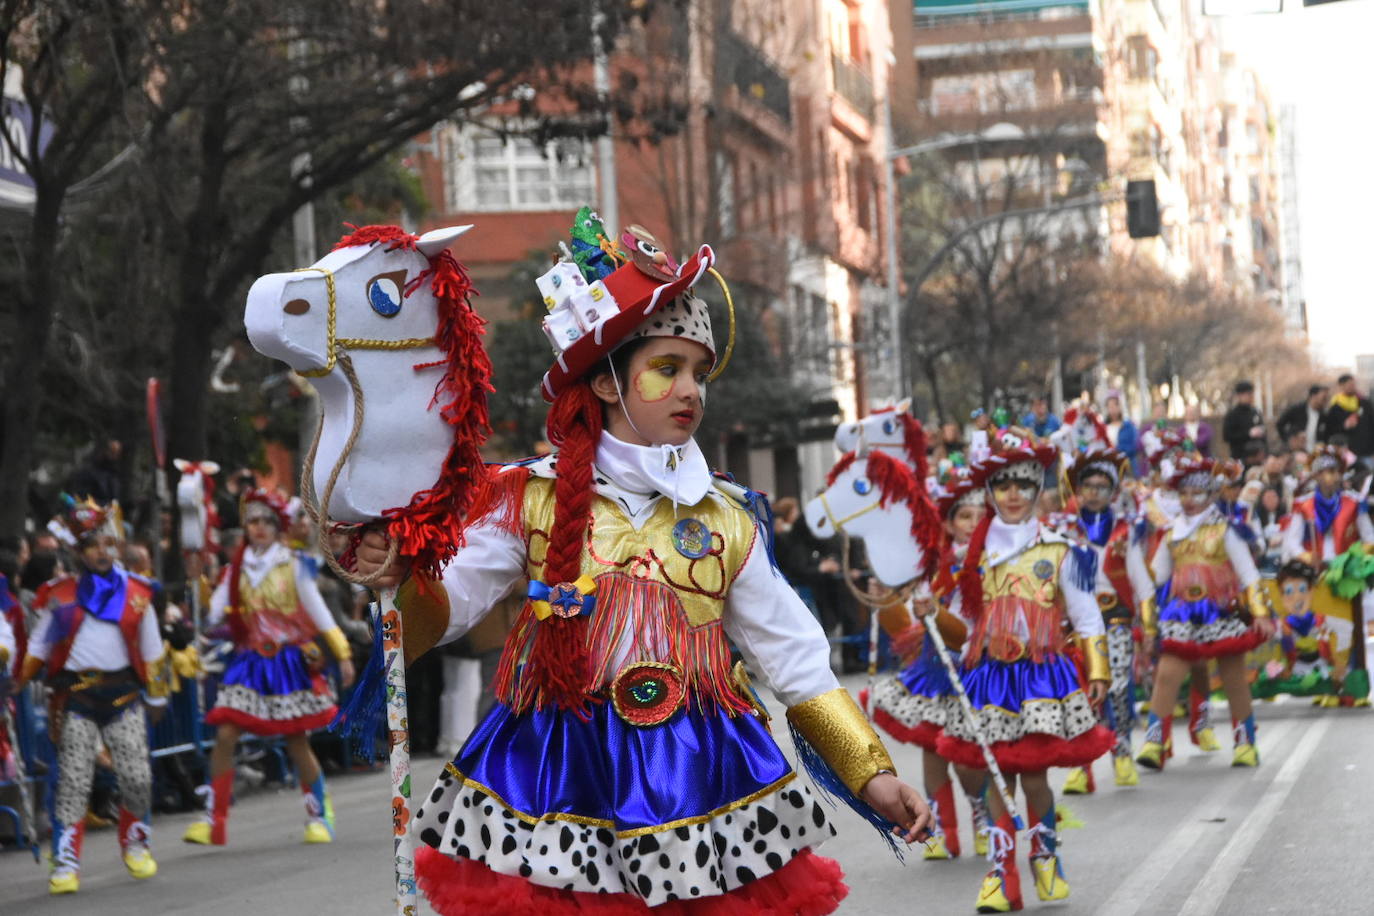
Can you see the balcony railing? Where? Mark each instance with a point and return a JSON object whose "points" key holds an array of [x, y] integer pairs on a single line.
{"points": [[853, 85], [743, 66]]}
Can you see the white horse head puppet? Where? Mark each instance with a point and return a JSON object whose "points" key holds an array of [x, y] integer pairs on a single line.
{"points": [[892, 430], [878, 498], [383, 328], [196, 504]]}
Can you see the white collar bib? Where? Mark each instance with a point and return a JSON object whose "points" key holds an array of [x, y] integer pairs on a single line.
{"points": [[1005, 542], [678, 472], [257, 564], [1184, 524]]}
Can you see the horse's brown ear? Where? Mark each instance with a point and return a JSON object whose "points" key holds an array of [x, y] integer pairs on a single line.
{"points": [[436, 240]]}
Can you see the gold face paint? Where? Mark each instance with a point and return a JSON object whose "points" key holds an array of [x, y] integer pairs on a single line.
{"points": [[654, 383]]}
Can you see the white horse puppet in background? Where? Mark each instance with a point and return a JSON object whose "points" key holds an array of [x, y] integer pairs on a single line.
{"points": [[196, 505], [354, 303], [892, 430], [878, 498]]}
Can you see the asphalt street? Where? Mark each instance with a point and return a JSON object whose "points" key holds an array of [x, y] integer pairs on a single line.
{"points": [[1292, 836]]}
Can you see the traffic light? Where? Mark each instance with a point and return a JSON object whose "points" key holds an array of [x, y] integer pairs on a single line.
{"points": [[1142, 209]]}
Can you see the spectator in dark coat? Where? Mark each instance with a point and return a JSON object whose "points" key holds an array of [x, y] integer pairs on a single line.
{"points": [[1303, 425], [1243, 423], [1351, 416], [98, 478]]}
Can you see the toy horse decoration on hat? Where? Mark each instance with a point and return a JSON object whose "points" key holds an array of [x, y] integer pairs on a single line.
{"points": [[383, 328]]}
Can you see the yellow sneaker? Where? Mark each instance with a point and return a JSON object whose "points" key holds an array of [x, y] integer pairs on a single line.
{"points": [[197, 832], [1207, 740], [1126, 773], [317, 832], [1077, 783], [936, 849], [992, 896], [1049, 878], [139, 861], [1180, 711], [1246, 755], [64, 880], [1151, 755]]}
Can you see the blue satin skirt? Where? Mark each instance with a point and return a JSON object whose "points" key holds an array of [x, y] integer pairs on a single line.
{"points": [[926, 675], [546, 761], [1010, 685], [282, 674]]}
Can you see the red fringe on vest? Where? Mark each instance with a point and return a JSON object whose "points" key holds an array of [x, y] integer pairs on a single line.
{"points": [[809, 885]]}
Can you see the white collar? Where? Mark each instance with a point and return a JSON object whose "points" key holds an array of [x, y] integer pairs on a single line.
{"points": [[258, 563], [1184, 524], [1005, 542], [678, 472]]}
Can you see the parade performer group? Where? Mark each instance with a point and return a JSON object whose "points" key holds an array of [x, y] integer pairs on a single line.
{"points": [[274, 684], [99, 647]]}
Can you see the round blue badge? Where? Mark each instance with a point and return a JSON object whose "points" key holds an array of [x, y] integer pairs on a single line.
{"points": [[1043, 569], [691, 538]]}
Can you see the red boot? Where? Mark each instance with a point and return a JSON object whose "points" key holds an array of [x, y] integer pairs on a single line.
{"points": [[1001, 890], [213, 827], [947, 817]]}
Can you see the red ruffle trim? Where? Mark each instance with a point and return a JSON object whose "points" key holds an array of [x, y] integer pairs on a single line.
{"points": [[222, 715], [809, 885], [924, 735], [1194, 651], [1032, 753]]}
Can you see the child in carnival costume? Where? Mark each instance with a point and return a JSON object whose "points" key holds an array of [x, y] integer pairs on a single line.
{"points": [[915, 704], [625, 766], [1210, 604], [274, 684], [1324, 525], [1307, 645], [1018, 582], [98, 644]]}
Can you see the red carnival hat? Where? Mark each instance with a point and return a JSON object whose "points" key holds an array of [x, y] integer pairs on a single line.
{"points": [[1202, 470], [1168, 440], [959, 487], [272, 500], [588, 320], [1108, 461], [85, 519], [1014, 450]]}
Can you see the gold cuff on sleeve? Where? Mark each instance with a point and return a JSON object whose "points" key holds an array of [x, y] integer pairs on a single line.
{"points": [[423, 604], [834, 725], [1095, 652], [30, 668], [4, 657], [1149, 616], [1257, 600], [337, 643], [158, 683]]}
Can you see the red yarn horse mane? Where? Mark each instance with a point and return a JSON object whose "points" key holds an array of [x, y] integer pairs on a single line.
{"points": [[897, 483], [430, 528]]}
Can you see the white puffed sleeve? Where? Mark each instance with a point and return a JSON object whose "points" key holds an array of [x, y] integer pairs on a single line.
{"points": [[777, 634], [308, 594], [1081, 605], [484, 570], [1242, 560]]}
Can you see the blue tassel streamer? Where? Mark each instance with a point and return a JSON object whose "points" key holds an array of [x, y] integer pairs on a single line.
{"points": [[361, 717], [1085, 568], [832, 788], [757, 505]]}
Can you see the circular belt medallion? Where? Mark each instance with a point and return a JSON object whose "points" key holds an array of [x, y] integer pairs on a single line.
{"points": [[691, 538], [647, 693], [1106, 601], [1194, 593], [1043, 569]]}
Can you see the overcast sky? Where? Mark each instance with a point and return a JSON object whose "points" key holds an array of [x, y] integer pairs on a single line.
{"points": [[1322, 58]]}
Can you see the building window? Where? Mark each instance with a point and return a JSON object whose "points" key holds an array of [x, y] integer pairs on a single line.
{"points": [[725, 193], [491, 173], [1142, 60]]}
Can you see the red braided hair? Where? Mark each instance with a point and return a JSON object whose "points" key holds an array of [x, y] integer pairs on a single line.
{"points": [[970, 577], [559, 653]]}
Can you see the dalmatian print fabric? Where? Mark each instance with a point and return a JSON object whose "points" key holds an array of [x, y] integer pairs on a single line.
{"points": [[1226, 627], [1067, 718], [891, 696], [1117, 711], [285, 707], [126, 736], [678, 863]]}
